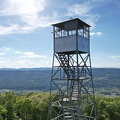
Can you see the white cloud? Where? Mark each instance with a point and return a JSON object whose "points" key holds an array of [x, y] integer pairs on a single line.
{"points": [[31, 23], [115, 56], [84, 10], [37, 20], [25, 63], [18, 52], [31, 63], [80, 9], [96, 33], [32, 14], [17, 7], [15, 29], [29, 55], [9, 30], [110, 61], [21, 8], [4, 49], [2, 53], [18, 59], [106, 65], [32, 55], [29, 14], [92, 20]]}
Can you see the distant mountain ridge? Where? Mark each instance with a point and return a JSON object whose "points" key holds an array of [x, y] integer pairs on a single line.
{"points": [[25, 69], [39, 78]]}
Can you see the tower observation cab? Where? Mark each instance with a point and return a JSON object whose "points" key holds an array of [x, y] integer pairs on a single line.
{"points": [[71, 77], [71, 36]]}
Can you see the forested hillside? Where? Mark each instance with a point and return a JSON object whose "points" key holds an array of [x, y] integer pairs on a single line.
{"points": [[34, 106], [32, 79], [106, 80]]}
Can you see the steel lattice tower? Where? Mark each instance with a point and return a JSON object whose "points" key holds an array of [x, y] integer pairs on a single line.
{"points": [[71, 79]]}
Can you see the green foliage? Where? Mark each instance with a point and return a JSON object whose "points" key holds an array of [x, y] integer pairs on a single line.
{"points": [[34, 106], [3, 112], [24, 108], [108, 108]]}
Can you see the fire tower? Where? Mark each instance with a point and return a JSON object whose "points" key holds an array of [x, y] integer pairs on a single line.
{"points": [[71, 79]]}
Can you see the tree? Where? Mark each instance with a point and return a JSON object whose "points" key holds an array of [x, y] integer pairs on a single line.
{"points": [[9, 100], [24, 108], [3, 112]]}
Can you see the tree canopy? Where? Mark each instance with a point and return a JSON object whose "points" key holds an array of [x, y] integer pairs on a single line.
{"points": [[34, 106]]}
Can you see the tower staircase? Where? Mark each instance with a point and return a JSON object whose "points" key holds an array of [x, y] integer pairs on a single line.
{"points": [[69, 69], [67, 66]]}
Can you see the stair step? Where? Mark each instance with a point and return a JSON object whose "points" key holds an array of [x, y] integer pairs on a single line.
{"points": [[67, 113], [74, 98], [68, 116], [75, 92]]}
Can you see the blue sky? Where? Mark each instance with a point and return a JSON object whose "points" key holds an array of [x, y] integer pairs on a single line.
{"points": [[25, 30]]}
